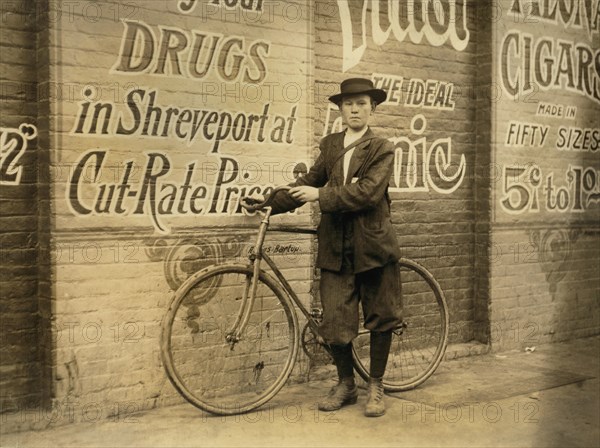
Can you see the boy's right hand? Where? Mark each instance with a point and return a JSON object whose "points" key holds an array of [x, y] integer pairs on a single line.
{"points": [[249, 202]]}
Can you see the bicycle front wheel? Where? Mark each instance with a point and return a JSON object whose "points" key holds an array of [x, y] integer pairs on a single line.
{"points": [[418, 346], [200, 360]]}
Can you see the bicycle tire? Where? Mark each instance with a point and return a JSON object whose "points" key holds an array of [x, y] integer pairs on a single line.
{"points": [[208, 374], [406, 347]]}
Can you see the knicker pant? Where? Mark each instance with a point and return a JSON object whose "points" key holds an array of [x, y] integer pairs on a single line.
{"points": [[378, 290]]}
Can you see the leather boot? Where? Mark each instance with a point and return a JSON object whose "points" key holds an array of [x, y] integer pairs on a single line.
{"points": [[343, 393], [375, 405]]}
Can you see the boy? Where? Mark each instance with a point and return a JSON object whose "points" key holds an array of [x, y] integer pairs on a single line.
{"points": [[358, 249]]}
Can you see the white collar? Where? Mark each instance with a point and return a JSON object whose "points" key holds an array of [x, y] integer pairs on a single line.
{"points": [[356, 135], [350, 139]]}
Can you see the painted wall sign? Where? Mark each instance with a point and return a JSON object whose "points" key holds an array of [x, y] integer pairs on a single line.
{"points": [[415, 20], [529, 64], [144, 116], [178, 52], [573, 138], [428, 93], [203, 120], [524, 191], [13, 144], [556, 110], [549, 65], [188, 6], [155, 194], [578, 14], [419, 166]]}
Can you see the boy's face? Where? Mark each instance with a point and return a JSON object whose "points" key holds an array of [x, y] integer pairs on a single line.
{"points": [[356, 111]]}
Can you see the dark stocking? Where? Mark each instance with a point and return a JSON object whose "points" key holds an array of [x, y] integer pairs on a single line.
{"points": [[380, 349], [342, 356]]}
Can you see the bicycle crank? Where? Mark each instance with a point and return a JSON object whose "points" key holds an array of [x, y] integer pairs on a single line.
{"points": [[313, 347]]}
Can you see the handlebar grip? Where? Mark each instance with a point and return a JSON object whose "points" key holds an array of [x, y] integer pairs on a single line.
{"points": [[260, 205], [248, 204]]}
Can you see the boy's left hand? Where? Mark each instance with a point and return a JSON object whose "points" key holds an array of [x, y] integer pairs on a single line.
{"points": [[305, 193]]}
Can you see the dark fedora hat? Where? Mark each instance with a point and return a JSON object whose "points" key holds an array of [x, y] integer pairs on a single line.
{"points": [[357, 86]]}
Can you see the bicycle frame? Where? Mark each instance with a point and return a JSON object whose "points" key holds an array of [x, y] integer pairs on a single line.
{"points": [[243, 315], [241, 321]]}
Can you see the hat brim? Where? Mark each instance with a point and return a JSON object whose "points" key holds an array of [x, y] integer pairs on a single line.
{"points": [[377, 94]]}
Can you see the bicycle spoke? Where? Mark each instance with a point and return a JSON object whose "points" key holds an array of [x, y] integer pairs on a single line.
{"points": [[226, 376], [411, 351], [418, 346]]}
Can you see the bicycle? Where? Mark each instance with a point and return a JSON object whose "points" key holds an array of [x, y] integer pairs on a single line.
{"points": [[231, 336]]}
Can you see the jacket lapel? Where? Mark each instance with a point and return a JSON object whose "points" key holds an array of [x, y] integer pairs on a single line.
{"points": [[336, 169], [360, 146], [360, 153]]}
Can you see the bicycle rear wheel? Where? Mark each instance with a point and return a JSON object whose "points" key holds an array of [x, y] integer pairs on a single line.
{"points": [[203, 365], [418, 346]]}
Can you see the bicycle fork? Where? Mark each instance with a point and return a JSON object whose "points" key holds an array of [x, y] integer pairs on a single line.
{"points": [[233, 336]]}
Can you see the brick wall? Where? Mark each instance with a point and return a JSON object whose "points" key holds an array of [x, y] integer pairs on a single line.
{"points": [[19, 356], [80, 316], [483, 170], [113, 273]]}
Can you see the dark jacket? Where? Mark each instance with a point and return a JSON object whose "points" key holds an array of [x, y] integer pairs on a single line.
{"points": [[363, 200]]}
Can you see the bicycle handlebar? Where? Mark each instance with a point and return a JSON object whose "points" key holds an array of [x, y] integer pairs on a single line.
{"points": [[260, 205]]}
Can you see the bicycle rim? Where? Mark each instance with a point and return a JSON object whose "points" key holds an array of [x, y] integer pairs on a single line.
{"points": [[201, 363], [418, 348]]}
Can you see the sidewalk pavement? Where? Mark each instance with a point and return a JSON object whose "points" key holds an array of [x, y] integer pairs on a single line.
{"points": [[549, 397]]}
